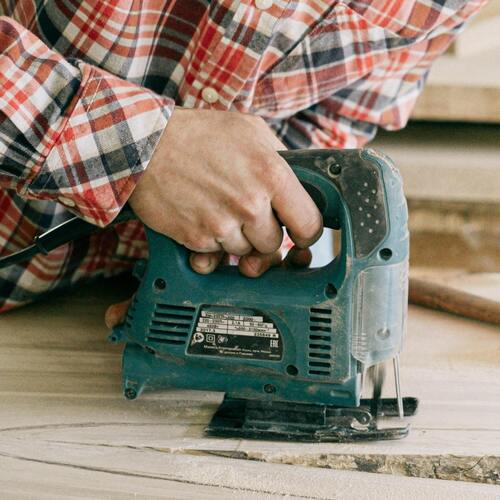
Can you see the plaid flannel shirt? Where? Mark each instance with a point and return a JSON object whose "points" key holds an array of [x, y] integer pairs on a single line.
{"points": [[86, 89]]}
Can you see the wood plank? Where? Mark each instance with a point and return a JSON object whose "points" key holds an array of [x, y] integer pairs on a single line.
{"points": [[62, 412], [447, 162], [462, 89], [161, 475], [56, 481], [455, 235], [451, 177]]}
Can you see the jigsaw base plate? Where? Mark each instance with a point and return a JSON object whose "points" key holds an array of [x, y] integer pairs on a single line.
{"points": [[284, 421]]}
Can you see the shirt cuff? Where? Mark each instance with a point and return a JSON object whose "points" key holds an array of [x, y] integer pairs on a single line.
{"points": [[104, 146]]}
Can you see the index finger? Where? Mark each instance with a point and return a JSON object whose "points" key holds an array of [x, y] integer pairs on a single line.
{"points": [[297, 211]]}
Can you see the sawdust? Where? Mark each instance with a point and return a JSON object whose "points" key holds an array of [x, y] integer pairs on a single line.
{"points": [[484, 469]]}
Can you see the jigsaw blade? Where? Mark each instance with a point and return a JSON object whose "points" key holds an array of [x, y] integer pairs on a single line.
{"points": [[397, 383], [377, 377]]}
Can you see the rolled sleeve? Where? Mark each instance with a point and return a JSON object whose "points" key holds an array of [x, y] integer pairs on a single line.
{"points": [[104, 146], [71, 132]]}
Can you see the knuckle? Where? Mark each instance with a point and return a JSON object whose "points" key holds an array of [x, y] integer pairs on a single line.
{"points": [[275, 244], [311, 228], [253, 207], [260, 168], [269, 172], [277, 176], [269, 246], [224, 228], [199, 243], [241, 250]]}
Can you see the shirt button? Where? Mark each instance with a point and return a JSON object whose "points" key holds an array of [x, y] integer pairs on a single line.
{"points": [[209, 95], [263, 4], [66, 201]]}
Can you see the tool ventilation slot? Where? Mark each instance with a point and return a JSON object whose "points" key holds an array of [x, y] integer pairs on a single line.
{"points": [[171, 324], [320, 342], [130, 313]]}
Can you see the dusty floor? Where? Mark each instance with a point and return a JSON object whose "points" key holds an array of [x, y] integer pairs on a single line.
{"points": [[66, 431]]}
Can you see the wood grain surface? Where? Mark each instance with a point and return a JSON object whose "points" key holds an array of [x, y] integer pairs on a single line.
{"points": [[66, 431]]}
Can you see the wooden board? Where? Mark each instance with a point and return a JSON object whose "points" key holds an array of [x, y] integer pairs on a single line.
{"points": [[66, 431], [159, 475], [451, 175], [462, 89], [446, 162]]}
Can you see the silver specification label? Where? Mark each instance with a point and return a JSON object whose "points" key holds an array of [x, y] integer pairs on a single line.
{"points": [[236, 333]]}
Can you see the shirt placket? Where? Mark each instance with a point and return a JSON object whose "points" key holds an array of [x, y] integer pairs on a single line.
{"points": [[227, 57]]}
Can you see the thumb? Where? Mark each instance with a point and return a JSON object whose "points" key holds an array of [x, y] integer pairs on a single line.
{"points": [[115, 314]]}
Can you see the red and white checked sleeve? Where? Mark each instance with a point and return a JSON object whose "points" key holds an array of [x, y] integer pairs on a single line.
{"points": [[70, 131], [383, 98]]}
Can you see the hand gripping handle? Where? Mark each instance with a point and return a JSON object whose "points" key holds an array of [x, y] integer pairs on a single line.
{"points": [[352, 188], [358, 191], [355, 190]]}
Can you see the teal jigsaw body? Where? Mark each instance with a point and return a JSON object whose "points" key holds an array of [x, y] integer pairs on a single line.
{"points": [[293, 335]]}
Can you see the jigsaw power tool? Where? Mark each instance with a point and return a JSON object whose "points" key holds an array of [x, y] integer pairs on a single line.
{"points": [[291, 349]]}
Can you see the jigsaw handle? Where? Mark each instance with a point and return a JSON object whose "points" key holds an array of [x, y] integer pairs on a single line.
{"points": [[358, 191]]}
